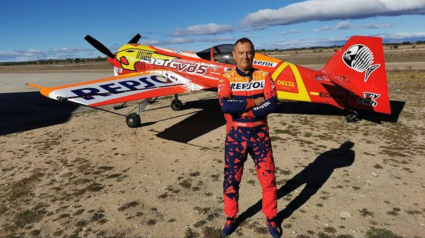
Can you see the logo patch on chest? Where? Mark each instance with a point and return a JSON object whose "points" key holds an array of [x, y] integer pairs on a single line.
{"points": [[247, 86]]}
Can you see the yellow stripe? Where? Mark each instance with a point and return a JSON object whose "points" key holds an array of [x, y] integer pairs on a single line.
{"points": [[302, 94], [314, 93]]}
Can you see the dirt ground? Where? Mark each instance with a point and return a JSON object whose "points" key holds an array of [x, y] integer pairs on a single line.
{"points": [[86, 174]]}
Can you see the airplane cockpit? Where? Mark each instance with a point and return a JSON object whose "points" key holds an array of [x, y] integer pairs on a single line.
{"points": [[219, 53]]}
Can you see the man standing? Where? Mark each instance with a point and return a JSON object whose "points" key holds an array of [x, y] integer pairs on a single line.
{"points": [[247, 96]]}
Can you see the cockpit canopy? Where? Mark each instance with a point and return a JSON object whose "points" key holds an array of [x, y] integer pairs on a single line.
{"points": [[220, 53]]}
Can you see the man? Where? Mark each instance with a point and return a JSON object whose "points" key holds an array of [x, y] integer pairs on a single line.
{"points": [[247, 96]]}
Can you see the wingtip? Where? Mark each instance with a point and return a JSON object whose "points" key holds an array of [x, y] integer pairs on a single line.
{"points": [[34, 86]]}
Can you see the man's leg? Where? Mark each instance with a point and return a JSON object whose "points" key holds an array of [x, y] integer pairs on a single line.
{"points": [[235, 150], [265, 168]]}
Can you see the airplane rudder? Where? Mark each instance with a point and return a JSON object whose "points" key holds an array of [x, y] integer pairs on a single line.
{"points": [[361, 61]]}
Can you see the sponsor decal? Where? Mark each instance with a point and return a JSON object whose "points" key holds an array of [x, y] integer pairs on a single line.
{"points": [[122, 86], [369, 100], [264, 63], [196, 68], [360, 58], [179, 52], [333, 96], [264, 105], [144, 55], [286, 83], [226, 69], [247, 86]]}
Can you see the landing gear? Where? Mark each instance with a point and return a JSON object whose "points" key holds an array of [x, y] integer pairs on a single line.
{"points": [[117, 107], [152, 100], [133, 120], [351, 115], [176, 104]]}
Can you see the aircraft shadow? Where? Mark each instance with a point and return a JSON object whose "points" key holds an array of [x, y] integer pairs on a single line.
{"points": [[208, 119], [314, 176], [396, 109], [211, 117], [308, 108], [25, 111]]}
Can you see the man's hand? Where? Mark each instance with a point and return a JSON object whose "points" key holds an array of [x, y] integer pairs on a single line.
{"points": [[259, 101]]}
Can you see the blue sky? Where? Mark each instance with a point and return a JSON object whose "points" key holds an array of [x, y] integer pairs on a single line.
{"points": [[55, 29]]}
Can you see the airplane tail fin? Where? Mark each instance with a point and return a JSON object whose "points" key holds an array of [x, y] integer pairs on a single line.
{"points": [[360, 68]]}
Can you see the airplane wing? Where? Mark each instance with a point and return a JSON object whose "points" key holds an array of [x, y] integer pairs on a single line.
{"points": [[123, 88]]}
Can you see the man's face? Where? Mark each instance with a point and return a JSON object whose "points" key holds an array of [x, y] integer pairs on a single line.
{"points": [[244, 56]]}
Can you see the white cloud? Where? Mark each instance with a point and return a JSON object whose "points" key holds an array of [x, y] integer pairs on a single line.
{"points": [[180, 40], [22, 55], [307, 43], [343, 25], [403, 36], [304, 43], [376, 26], [290, 32], [323, 28], [65, 50], [205, 29], [324, 10]]}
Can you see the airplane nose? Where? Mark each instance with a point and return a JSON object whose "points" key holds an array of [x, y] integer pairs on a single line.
{"points": [[114, 62]]}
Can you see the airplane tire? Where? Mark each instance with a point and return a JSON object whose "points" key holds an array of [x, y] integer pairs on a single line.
{"points": [[133, 120], [176, 105]]}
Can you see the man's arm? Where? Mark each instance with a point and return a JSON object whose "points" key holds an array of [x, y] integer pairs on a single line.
{"points": [[269, 103], [229, 105]]}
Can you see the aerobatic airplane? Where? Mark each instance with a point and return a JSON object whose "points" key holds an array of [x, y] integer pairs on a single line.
{"points": [[353, 80]]}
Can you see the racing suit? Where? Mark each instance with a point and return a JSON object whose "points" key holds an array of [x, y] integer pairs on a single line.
{"points": [[247, 132]]}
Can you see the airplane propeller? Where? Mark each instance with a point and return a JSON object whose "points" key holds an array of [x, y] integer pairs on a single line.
{"points": [[99, 46], [135, 39]]}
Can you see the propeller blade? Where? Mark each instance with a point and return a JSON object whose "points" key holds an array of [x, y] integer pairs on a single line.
{"points": [[99, 46], [135, 39]]}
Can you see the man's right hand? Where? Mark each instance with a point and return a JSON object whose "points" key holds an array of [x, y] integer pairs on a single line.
{"points": [[259, 101]]}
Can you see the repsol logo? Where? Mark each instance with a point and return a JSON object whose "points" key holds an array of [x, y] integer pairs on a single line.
{"points": [[369, 100], [334, 96], [264, 105], [110, 88], [247, 86], [264, 63], [286, 83], [196, 68]]}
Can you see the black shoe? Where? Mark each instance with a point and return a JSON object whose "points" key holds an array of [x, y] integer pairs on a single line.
{"points": [[273, 228], [228, 227]]}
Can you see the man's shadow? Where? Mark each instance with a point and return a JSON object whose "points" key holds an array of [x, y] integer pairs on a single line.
{"points": [[313, 176]]}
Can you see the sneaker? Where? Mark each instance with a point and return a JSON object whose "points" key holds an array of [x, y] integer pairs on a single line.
{"points": [[273, 228], [228, 226]]}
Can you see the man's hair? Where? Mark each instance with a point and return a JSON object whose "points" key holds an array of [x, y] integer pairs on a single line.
{"points": [[244, 40]]}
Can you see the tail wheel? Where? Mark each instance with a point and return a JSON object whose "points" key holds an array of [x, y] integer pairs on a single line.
{"points": [[351, 115], [176, 105], [133, 120]]}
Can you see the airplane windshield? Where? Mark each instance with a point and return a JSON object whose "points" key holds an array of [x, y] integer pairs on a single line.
{"points": [[221, 53]]}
